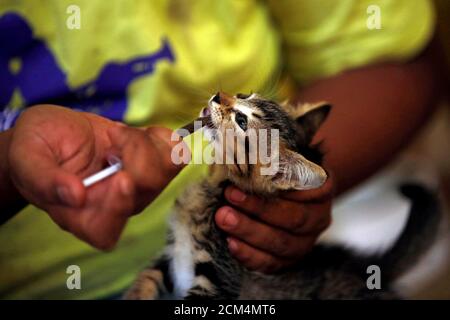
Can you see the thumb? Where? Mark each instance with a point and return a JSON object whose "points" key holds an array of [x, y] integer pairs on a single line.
{"points": [[163, 143], [173, 149]]}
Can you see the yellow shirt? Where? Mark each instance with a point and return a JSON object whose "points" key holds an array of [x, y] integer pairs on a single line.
{"points": [[156, 62]]}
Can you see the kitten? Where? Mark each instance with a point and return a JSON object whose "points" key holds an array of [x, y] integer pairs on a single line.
{"points": [[196, 263]]}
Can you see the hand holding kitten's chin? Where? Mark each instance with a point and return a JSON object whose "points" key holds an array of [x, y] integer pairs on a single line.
{"points": [[271, 235]]}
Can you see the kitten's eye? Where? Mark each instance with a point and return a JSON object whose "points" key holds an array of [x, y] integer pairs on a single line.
{"points": [[242, 95], [241, 120]]}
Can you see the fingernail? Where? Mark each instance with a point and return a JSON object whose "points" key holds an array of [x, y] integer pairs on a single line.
{"points": [[230, 219], [232, 245], [65, 196], [237, 195]]}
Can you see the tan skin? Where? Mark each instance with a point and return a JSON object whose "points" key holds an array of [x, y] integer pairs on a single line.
{"points": [[50, 150], [52, 147]]}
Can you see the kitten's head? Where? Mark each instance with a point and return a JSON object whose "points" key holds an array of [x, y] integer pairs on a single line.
{"points": [[296, 162]]}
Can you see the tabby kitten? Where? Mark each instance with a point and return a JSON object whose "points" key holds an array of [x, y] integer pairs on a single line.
{"points": [[196, 263]]}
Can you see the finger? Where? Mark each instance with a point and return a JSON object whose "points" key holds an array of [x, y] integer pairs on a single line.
{"points": [[293, 217], [162, 139], [109, 206], [288, 215], [257, 234], [255, 259], [148, 162], [132, 146], [167, 140], [313, 195], [38, 175]]}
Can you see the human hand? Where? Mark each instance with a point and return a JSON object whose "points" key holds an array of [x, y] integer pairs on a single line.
{"points": [[53, 148], [270, 235]]}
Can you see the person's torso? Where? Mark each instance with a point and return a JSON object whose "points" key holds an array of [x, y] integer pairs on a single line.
{"points": [[137, 61], [143, 62]]}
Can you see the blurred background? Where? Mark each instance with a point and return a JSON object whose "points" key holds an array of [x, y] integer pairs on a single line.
{"points": [[434, 145], [426, 160]]}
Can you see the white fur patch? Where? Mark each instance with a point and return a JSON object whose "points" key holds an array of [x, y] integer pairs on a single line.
{"points": [[244, 109], [182, 264], [302, 174]]}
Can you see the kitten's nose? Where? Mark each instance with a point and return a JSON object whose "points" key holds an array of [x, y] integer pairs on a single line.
{"points": [[216, 98]]}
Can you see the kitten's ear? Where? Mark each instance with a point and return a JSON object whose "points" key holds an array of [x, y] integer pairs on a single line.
{"points": [[297, 172], [312, 117], [291, 109]]}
